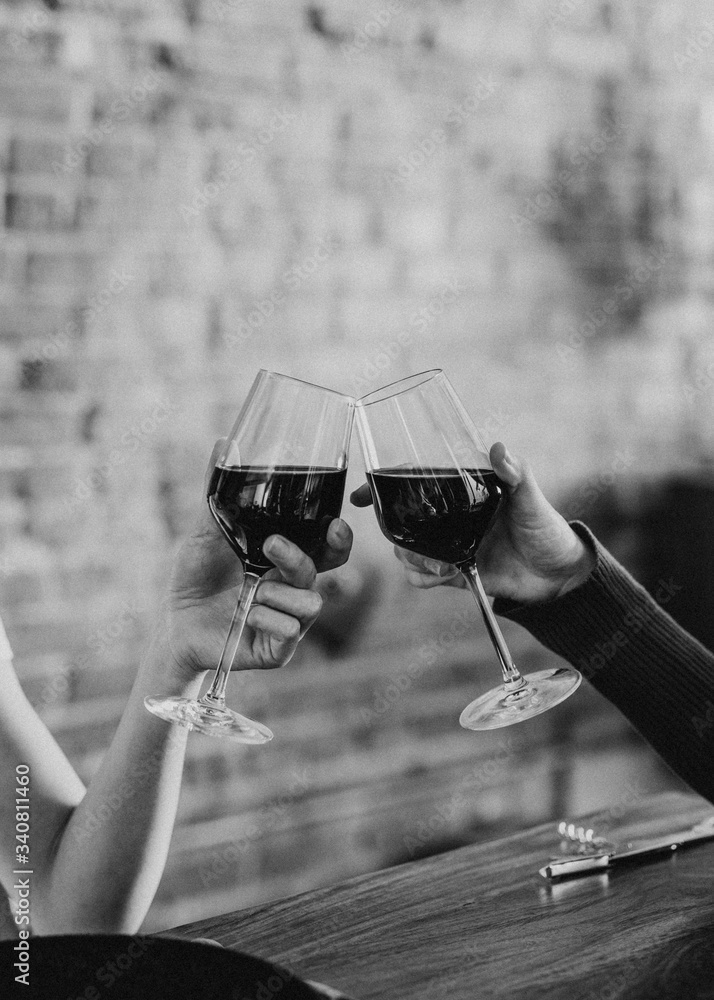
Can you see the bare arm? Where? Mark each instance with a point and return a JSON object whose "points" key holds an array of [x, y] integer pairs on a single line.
{"points": [[54, 788], [97, 857]]}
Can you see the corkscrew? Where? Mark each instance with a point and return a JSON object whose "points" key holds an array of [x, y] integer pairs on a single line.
{"points": [[584, 838], [593, 853]]}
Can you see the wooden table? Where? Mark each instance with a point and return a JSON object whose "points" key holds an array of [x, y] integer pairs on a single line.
{"points": [[481, 922]]}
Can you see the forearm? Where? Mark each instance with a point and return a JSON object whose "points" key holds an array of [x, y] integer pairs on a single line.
{"points": [[632, 651], [112, 851], [54, 789]]}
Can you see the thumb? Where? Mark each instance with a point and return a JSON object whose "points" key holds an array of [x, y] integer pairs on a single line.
{"points": [[524, 494], [508, 469], [361, 497], [514, 472]]}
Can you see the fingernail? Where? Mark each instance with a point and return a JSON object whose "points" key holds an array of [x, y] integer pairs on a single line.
{"points": [[277, 546], [341, 530]]}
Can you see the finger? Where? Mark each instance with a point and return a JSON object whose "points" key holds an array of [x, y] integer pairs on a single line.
{"points": [[338, 546], [361, 497], [424, 581], [423, 564], [274, 623], [295, 567], [526, 498], [305, 605], [513, 471]]}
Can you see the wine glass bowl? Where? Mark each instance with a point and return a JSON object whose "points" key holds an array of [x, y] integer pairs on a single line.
{"points": [[433, 487], [435, 493], [439, 513], [282, 472], [251, 504]]}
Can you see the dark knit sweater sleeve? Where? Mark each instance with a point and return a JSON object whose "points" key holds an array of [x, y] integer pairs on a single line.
{"points": [[623, 641]]}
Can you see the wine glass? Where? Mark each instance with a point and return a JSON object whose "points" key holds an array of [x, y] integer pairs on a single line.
{"points": [[282, 471], [435, 492]]}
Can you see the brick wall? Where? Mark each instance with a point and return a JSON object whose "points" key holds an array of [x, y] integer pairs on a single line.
{"points": [[519, 193]]}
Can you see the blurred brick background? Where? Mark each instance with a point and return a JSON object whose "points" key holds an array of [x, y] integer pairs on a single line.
{"points": [[517, 192]]}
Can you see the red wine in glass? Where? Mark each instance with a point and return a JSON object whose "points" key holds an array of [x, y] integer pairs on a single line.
{"points": [[440, 513], [251, 503], [435, 493], [281, 472]]}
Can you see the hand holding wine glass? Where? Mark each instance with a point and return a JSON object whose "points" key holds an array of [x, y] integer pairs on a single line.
{"points": [[196, 612], [437, 495], [274, 494], [529, 553]]}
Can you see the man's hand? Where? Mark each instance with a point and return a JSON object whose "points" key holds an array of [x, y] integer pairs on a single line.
{"points": [[201, 597], [529, 554]]}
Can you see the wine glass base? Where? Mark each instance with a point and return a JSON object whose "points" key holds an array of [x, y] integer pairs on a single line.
{"points": [[499, 707], [209, 720]]}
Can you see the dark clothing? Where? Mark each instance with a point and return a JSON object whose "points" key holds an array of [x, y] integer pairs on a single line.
{"points": [[623, 641]]}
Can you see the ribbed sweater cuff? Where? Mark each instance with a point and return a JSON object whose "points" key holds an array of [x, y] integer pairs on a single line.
{"points": [[624, 642], [579, 622]]}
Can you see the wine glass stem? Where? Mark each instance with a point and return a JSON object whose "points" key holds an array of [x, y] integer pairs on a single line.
{"points": [[215, 697], [512, 679]]}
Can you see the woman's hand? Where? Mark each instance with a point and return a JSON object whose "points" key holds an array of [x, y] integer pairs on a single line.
{"points": [[530, 552], [201, 598]]}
